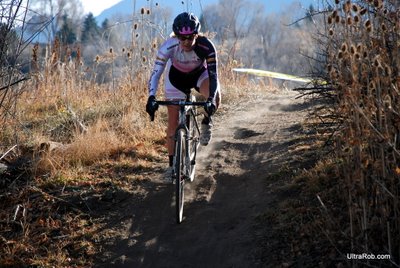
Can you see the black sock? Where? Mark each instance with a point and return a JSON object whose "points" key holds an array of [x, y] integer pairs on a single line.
{"points": [[171, 160], [206, 120]]}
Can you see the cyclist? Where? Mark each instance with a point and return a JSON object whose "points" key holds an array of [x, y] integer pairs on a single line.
{"points": [[191, 62]]}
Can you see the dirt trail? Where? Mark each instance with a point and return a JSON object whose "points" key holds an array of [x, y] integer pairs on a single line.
{"points": [[230, 190]]}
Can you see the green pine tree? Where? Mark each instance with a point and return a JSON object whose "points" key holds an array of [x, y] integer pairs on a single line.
{"points": [[105, 31], [91, 31], [66, 34]]}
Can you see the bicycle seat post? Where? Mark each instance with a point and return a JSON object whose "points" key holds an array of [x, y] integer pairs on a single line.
{"points": [[188, 96]]}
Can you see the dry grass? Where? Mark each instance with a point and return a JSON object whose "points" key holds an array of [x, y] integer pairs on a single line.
{"points": [[79, 140]]}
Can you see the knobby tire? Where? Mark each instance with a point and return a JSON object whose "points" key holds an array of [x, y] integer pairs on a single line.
{"points": [[180, 174], [194, 142]]}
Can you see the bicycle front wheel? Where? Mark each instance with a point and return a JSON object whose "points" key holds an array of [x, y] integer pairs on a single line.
{"points": [[193, 144], [180, 149]]}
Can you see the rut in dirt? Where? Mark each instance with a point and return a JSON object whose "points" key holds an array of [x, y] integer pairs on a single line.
{"points": [[229, 192]]}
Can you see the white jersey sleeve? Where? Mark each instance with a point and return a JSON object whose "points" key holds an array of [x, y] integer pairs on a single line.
{"points": [[163, 55]]}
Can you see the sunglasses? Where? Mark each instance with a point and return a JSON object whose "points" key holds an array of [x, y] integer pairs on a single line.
{"points": [[186, 37]]}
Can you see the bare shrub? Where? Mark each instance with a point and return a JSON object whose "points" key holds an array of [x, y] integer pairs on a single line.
{"points": [[361, 48]]}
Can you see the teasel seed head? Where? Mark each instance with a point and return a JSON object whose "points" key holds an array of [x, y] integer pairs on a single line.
{"points": [[340, 55], [135, 26], [378, 4], [388, 70], [384, 28], [387, 100], [347, 6], [352, 49], [148, 11], [35, 53], [368, 26], [356, 19], [377, 61], [337, 2], [363, 11], [142, 10], [343, 47], [357, 56], [329, 20], [144, 59], [97, 59], [349, 20], [337, 19], [111, 50], [355, 8], [371, 85]]}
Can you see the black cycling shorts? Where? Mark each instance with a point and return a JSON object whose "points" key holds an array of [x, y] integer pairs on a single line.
{"points": [[185, 81]]}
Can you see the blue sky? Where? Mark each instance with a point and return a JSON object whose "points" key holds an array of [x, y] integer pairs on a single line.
{"points": [[279, 5], [96, 6]]}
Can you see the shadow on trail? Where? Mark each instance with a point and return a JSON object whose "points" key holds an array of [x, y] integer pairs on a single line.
{"points": [[230, 191]]}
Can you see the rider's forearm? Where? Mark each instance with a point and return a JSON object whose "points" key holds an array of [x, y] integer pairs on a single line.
{"points": [[213, 77], [212, 66], [158, 69]]}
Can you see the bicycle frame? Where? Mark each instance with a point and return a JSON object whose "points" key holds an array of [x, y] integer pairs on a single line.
{"points": [[186, 144], [186, 111]]}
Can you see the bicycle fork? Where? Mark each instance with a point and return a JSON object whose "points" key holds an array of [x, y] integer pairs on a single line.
{"points": [[187, 158]]}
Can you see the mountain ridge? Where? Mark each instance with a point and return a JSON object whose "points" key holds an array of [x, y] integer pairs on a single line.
{"points": [[130, 7]]}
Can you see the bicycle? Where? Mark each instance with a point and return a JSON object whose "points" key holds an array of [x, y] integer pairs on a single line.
{"points": [[187, 140]]}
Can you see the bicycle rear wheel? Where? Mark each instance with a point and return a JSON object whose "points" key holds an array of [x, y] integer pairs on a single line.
{"points": [[180, 173]]}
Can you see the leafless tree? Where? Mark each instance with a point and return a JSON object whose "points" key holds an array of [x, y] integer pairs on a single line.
{"points": [[50, 13], [12, 24], [260, 40]]}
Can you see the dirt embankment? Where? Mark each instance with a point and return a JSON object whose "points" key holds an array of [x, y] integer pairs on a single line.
{"points": [[237, 177]]}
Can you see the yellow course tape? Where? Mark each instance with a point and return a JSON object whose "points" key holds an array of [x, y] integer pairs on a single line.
{"points": [[275, 75]]}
